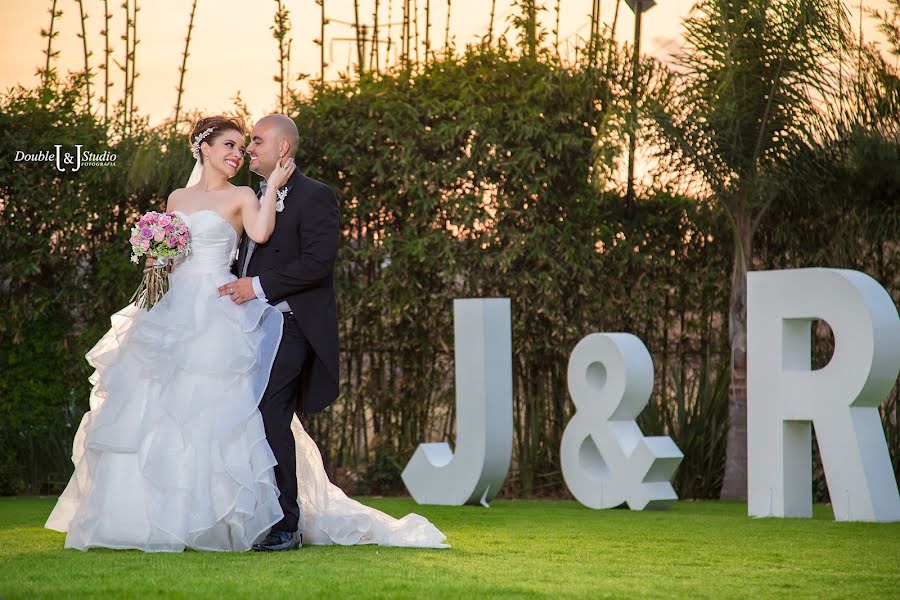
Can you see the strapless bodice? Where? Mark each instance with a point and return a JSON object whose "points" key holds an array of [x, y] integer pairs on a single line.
{"points": [[213, 242]]}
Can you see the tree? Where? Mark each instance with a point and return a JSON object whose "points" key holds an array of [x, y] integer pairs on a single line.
{"points": [[746, 104]]}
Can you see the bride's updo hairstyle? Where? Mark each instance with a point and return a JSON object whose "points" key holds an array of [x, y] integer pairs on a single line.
{"points": [[208, 129]]}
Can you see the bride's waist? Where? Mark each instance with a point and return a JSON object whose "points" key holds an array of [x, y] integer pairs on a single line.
{"points": [[198, 265]]}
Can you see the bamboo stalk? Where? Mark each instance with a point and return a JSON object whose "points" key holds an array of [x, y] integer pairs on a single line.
{"points": [[183, 69], [50, 34], [322, 33], [390, 30], [556, 31], [404, 36], [374, 57], [127, 64], [531, 26], [428, 28], [87, 66], [106, 52], [280, 62], [323, 21], [360, 39], [612, 35], [447, 28], [134, 74], [491, 23], [280, 30], [415, 13]]}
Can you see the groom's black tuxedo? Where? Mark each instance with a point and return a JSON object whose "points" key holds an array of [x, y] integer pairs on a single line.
{"points": [[296, 265]]}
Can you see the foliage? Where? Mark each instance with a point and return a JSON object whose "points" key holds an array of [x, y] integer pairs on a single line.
{"points": [[66, 268], [697, 420], [478, 180], [488, 173]]}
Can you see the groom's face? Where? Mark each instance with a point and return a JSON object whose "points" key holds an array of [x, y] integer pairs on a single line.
{"points": [[265, 149]]}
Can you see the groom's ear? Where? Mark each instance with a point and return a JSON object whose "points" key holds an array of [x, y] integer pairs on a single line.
{"points": [[284, 148]]}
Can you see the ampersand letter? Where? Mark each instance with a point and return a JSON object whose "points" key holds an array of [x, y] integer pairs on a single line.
{"points": [[606, 460]]}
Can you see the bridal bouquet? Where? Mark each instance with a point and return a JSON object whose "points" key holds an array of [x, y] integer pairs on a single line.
{"points": [[165, 237]]}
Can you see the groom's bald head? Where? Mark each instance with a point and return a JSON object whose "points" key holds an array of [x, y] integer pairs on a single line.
{"points": [[284, 129], [273, 137]]}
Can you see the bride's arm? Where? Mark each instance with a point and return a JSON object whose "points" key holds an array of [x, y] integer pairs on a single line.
{"points": [[259, 217]]}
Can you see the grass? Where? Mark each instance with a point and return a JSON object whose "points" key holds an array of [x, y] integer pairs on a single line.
{"points": [[514, 549]]}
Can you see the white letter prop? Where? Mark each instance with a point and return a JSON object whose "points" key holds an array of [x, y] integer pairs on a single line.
{"points": [[606, 460], [483, 352], [841, 400]]}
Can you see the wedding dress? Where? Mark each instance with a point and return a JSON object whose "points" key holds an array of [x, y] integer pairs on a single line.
{"points": [[173, 454]]}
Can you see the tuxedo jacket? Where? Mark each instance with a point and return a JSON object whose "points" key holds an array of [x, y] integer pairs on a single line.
{"points": [[296, 264]]}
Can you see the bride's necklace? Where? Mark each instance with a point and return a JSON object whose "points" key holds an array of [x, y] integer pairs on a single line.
{"points": [[216, 189]]}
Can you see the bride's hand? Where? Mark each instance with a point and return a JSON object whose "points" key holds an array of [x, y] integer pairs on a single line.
{"points": [[283, 171], [151, 260]]}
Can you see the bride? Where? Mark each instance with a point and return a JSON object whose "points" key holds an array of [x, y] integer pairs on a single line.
{"points": [[173, 453]]}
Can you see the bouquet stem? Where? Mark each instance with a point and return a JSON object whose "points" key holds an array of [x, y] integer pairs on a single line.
{"points": [[152, 288]]}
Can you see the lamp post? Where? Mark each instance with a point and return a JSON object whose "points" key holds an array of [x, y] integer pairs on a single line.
{"points": [[638, 7]]}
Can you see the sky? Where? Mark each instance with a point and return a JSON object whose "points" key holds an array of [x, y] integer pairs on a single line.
{"points": [[232, 49]]}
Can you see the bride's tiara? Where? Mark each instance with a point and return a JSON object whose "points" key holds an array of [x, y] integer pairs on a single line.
{"points": [[195, 147]]}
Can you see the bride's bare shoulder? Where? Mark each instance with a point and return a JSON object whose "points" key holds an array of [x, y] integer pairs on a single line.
{"points": [[174, 198], [243, 193]]}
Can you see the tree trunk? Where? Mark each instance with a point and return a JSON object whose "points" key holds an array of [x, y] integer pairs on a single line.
{"points": [[734, 487]]}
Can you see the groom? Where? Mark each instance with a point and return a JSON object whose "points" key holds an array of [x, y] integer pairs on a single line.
{"points": [[293, 271]]}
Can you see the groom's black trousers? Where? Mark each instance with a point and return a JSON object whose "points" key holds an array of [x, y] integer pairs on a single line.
{"points": [[277, 409]]}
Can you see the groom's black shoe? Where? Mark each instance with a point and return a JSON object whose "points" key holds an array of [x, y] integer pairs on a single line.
{"points": [[280, 540]]}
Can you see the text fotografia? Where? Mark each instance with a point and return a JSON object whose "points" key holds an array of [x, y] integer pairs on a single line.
{"points": [[68, 161]]}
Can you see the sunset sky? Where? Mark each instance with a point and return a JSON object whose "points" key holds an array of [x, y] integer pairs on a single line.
{"points": [[233, 49]]}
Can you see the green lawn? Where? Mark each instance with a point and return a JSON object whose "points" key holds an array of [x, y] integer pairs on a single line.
{"points": [[513, 549]]}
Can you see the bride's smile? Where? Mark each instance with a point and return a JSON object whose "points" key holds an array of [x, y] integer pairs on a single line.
{"points": [[225, 154]]}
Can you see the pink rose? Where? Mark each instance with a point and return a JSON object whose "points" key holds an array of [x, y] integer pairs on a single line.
{"points": [[145, 244], [169, 228], [134, 240], [146, 233], [171, 242], [158, 234]]}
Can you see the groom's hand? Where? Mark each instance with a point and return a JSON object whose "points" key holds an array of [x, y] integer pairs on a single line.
{"points": [[240, 291]]}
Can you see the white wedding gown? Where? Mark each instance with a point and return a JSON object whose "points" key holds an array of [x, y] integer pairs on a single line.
{"points": [[173, 454]]}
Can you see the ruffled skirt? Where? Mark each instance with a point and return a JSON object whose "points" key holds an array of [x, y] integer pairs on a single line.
{"points": [[173, 453]]}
